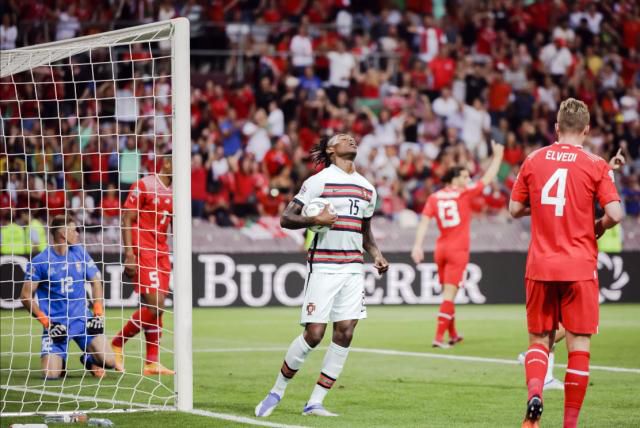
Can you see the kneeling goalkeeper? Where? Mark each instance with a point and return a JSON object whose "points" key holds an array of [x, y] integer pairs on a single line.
{"points": [[57, 276]]}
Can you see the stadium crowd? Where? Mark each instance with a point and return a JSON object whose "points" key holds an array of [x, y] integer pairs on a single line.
{"points": [[423, 85]]}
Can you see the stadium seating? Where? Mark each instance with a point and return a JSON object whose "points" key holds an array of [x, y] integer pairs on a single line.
{"points": [[420, 94]]}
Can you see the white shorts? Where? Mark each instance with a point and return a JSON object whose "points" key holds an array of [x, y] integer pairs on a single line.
{"points": [[331, 297]]}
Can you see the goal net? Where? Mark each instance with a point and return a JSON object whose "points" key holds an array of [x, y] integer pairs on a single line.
{"points": [[81, 121]]}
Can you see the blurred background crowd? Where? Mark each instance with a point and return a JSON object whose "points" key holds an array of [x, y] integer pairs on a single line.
{"points": [[423, 85]]}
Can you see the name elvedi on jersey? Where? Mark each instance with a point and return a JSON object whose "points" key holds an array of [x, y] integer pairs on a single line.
{"points": [[561, 156]]}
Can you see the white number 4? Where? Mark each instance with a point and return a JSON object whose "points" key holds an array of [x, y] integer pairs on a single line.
{"points": [[560, 176]]}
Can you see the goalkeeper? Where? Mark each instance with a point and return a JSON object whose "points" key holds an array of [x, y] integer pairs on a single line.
{"points": [[57, 276]]}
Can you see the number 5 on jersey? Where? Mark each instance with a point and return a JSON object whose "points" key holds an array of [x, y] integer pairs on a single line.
{"points": [[559, 176], [153, 278], [448, 213]]}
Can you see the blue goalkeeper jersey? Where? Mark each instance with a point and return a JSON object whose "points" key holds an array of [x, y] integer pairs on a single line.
{"points": [[61, 279]]}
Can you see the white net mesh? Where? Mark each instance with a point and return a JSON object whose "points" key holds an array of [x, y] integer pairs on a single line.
{"points": [[83, 121]]}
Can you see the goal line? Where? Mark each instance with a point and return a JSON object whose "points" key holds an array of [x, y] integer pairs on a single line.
{"points": [[138, 408]]}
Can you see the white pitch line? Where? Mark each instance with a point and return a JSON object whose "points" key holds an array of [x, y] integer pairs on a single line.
{"points": [[206, 413], [241, 419], [231, 350], [70, 412], [420, 355]]}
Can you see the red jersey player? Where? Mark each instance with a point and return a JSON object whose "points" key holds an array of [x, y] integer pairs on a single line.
{"points": [[451, 207], [145, 223], [558, 186]]}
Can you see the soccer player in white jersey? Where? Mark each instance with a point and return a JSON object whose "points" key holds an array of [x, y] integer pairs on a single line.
{"points": [[334, 290]]}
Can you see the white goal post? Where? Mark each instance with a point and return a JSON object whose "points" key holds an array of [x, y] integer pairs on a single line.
{"points": [[23, 392]]}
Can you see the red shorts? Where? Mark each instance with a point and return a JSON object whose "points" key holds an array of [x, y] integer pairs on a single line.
{"points": [[575, 304], [451, 265], [154, 271]]}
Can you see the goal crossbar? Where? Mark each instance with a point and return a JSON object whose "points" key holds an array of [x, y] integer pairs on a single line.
{"points": [[18, 60]]}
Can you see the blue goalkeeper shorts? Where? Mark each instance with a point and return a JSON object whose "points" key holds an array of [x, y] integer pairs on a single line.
{"points": [[76, 330]]}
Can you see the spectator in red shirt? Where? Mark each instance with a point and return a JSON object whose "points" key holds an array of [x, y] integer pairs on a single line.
{"points": [[293, 8], [513, 153], [495, 200], [443, 68], [243, 101], [5, 206], [198, 186], [630, 68], [271, 14], [307, 138], [271, 203], [538, 15], [631, 31], [96, 164], [317, 13], [55, 198], [499, 92], [486, 38], [277, 164], [419, 76], [421, 194], [245, 187], [110, 205], [216, 99]]}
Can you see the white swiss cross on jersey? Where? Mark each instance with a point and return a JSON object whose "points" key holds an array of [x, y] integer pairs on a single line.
{"points": [[340, 249]]}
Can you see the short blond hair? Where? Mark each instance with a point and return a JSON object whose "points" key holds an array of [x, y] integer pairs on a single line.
{"points": [[573, 116]]}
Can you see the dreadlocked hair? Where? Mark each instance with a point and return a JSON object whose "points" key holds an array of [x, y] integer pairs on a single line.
{"points": [[319, 154]]}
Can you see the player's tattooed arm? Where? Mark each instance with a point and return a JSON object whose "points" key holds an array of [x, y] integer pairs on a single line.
{"points": [[370, 246], [292, 217]]}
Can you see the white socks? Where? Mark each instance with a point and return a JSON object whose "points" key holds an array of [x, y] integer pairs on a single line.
{"points": [[296, 354], [549, 375], [332, 366]]}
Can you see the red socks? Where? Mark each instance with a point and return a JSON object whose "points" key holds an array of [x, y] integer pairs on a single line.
{"points": [[576, 381], [535, 364], [153, 334], [453, 333], [445, 318], [133, 326], [142, 318]]}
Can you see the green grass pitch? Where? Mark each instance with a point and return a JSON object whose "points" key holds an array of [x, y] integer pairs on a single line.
{"points": [[238, 352]]}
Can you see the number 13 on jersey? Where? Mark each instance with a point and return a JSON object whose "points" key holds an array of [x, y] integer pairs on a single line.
{"points": [[560, 177], [448, 213]]}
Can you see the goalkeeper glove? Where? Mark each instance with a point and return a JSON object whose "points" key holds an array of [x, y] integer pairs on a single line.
{"points": [[95, 326], [58, 332]]}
